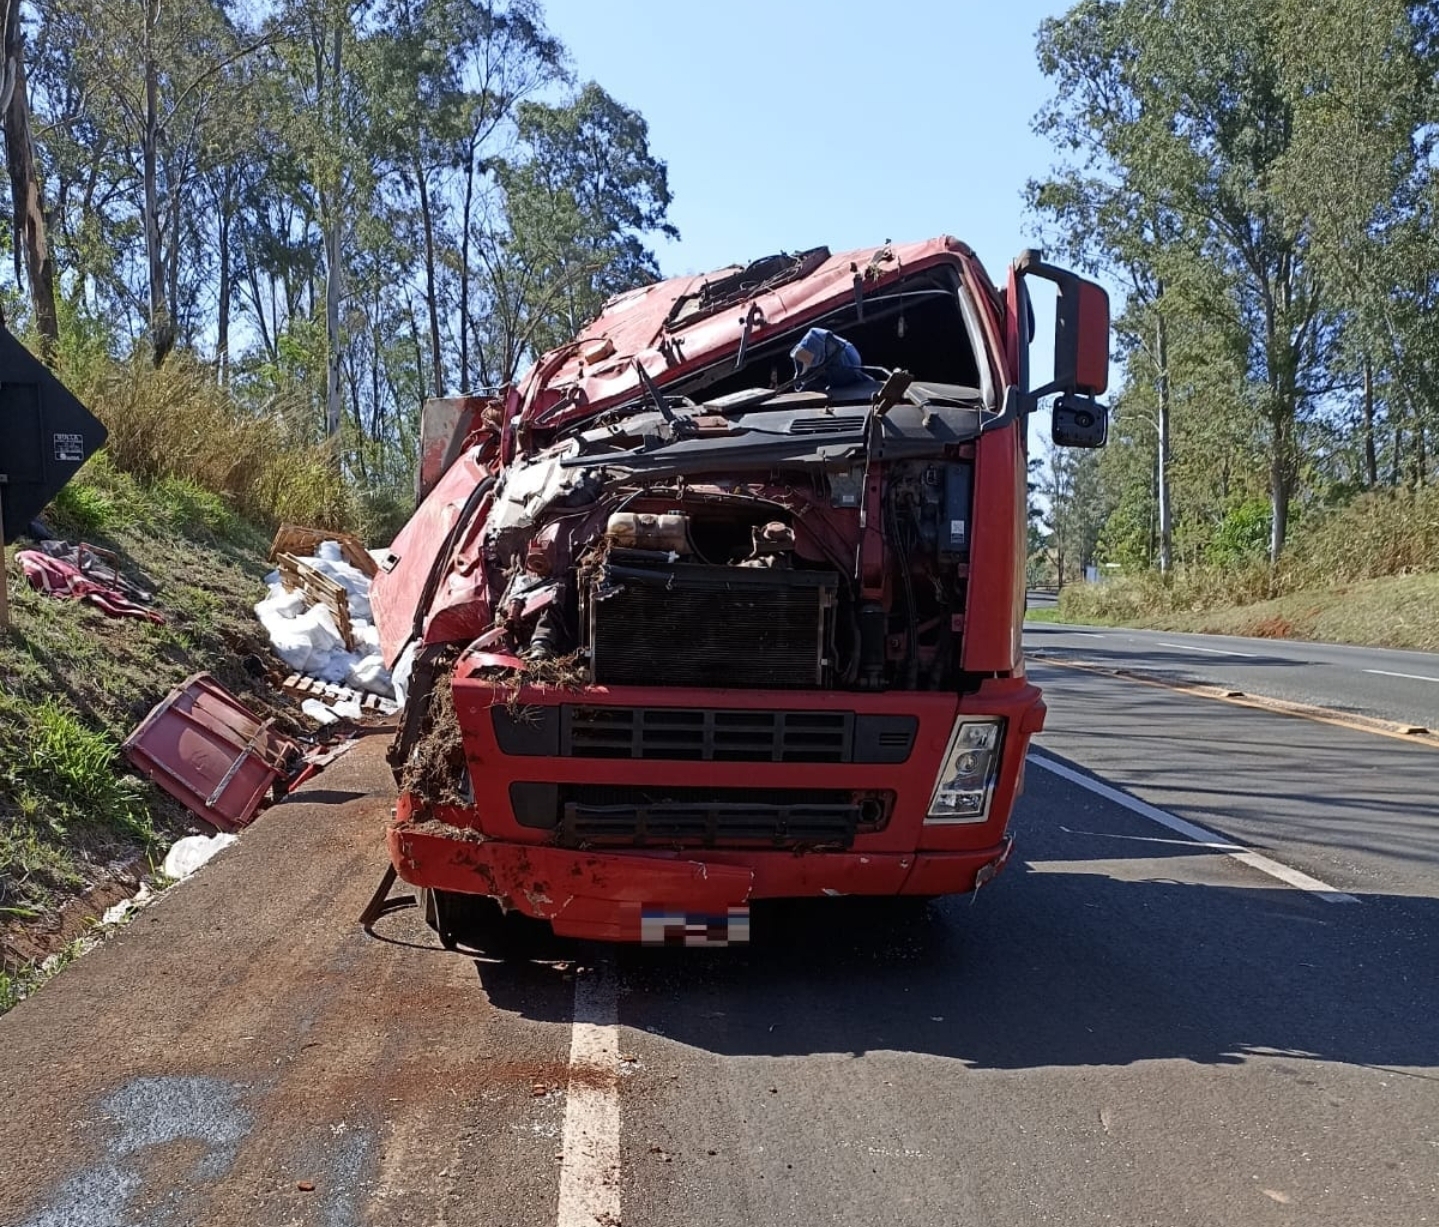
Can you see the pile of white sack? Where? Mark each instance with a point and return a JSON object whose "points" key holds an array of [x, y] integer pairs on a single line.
{"points": [[305, 636]]}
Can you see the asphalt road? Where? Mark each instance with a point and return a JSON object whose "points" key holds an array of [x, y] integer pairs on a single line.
{"points": [[1140, 1022], [1377, 682]]}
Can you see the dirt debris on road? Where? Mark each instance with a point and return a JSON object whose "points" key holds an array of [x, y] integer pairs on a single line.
{"points": [[243, 1036]]}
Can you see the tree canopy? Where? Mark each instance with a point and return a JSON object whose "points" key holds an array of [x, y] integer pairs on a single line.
{"points": [[370, 202], [1258, 179]]}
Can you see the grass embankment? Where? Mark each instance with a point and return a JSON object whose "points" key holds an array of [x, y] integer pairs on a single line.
{"points": [[186, 495], [1365, 574]]}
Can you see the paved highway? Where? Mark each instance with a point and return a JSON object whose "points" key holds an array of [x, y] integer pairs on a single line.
{"points": [[1377, 682], [1204, 992]]}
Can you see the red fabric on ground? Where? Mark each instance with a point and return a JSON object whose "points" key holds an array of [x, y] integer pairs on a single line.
{"points": [[60, 579]]}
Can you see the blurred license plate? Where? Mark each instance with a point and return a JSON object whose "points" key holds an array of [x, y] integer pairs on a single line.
{"points": [[665, 927]]}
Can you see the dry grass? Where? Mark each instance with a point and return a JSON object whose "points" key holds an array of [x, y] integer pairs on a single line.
{"points": [[1365, 573], [178, 423]]}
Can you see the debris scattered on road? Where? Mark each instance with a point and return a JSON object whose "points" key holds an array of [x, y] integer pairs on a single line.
{"points": [[201, 745], [300, 541], [188, 854], [318, 711], [327, 692], [305, 1186], [114, 915]]}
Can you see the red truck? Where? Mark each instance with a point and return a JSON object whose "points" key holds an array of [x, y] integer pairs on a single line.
{"points": [[723, 600]]}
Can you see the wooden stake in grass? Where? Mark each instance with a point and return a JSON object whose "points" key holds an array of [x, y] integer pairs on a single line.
{"points": [[4, 571]]}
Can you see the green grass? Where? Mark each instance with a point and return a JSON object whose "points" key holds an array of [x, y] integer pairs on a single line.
{"points": [[21, 981], [73, 683]]}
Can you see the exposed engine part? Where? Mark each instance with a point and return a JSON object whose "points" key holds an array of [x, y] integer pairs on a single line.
{"points": [[549, 639], [646, 531], [707, 625], [776, 537], [541, 554], [771, 545], [873, 623]]}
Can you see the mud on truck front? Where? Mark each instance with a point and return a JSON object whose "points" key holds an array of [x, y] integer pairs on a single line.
{"points": [[723, 601]]}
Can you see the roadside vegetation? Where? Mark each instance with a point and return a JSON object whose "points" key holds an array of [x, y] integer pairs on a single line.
{"points": [[1257, 180], [74, 682], [1363, 573], [253, 242]]}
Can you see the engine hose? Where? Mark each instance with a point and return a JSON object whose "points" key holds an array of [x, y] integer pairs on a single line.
{"points": [[911, 656]]}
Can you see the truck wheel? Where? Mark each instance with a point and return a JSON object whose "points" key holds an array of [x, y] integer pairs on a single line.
{"points": [[461, 919], [478, 923]]}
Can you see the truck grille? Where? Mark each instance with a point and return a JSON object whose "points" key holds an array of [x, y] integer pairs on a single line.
{"points": [[705, 734], [636, 816], [709, 735], [682, 624]]}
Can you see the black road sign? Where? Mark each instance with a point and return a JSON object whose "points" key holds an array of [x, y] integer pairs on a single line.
{"points": [[45, 435]]}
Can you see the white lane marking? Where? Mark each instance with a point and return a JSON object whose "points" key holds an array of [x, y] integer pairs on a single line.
{"points": [[1200, 835], [1416, 677], [1185, 647], [590, 1168]]}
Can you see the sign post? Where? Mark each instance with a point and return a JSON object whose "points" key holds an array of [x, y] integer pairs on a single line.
{"points": [[4, 570]]}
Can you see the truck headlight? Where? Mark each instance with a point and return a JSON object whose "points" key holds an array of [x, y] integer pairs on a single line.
{"points": [[966, 779]]}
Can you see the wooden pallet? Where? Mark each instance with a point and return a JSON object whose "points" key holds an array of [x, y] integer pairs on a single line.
{"points": [[316, 688], [305, 542], [296, 573]]}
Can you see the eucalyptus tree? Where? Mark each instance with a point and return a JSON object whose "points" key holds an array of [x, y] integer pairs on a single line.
{"points": [[580, 206], [1181, 103]]}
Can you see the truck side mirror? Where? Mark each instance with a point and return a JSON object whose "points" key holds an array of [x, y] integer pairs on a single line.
{"points": [[1081, 329], [1081, 336], [1079, 421]]}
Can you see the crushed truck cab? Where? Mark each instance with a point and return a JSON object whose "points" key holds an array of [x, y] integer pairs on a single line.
{"points": [[723, 601]]}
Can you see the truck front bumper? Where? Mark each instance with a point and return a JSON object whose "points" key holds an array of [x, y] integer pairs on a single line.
{"points": [[617, 896]]}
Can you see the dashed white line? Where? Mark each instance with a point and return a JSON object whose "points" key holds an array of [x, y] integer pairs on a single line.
{"points": [[1187, 647], [1211, 840], [1415, 677], [590, 1166]]}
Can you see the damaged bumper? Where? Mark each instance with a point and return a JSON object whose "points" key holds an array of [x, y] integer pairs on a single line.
{"points": [[616, 896]]}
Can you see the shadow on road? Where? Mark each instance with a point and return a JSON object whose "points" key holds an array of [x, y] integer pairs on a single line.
{"points": [[1047, 968]]}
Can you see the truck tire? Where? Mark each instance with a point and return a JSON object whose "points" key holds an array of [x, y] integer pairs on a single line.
{"points": [[479, 924]]}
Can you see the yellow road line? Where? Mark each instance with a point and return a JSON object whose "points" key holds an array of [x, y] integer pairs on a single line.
{"points": [[1410, 733]]}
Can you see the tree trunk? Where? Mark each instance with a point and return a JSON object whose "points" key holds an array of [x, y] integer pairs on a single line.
{"points": [[333, 238], [1166, 529], [25, 190], [222, 324], [465, 384], [427, 221], [1371, 456], [1280, 486], [161, 327]]}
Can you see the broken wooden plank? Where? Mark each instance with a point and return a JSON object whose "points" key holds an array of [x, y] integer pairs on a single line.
{"points": [[316, 687], [297, 574], [300, 541]]}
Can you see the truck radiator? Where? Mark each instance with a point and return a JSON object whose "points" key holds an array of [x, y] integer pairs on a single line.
{"points": [[654, 622]]}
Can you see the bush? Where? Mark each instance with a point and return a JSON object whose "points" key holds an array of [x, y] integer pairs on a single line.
{"points": [[1243, 534]]}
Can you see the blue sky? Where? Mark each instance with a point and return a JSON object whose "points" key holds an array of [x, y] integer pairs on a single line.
{"points": [[790, 125]]}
